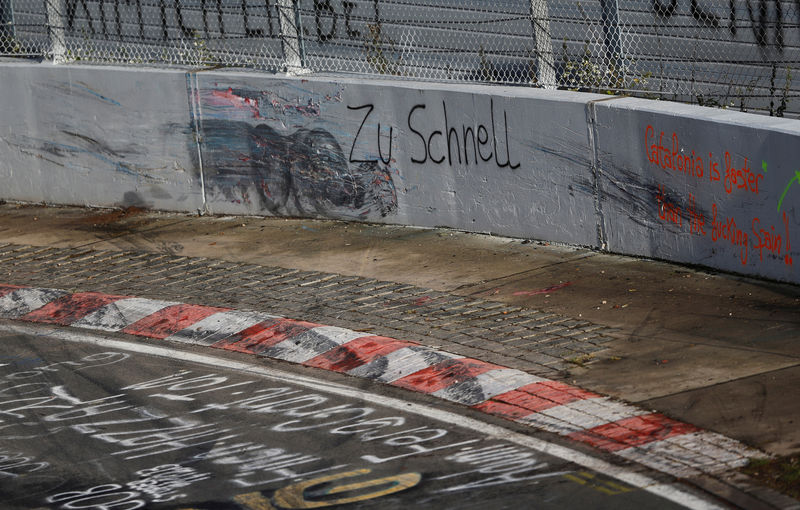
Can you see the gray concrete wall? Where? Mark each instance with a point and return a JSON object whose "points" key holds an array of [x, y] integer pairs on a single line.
{"points": [[575, 168], [700, 186], [483, 159], [97, 136]]}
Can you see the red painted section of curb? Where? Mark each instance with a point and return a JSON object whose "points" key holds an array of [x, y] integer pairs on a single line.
{"points": [[70, 308], [635, 431], [170, 320], [264, 335], [444, 374], [533, 398], [8, 289], [357, 352], [502, 410]]}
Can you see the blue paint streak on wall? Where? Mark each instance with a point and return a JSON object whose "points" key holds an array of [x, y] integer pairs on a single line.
{"points": [[95, 93]]}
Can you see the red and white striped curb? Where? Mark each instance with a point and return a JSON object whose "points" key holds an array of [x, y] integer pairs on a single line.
{"points": [[635, 434]]}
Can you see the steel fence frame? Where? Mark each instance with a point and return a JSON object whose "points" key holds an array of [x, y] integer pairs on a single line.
{"points": [[740, 54]]}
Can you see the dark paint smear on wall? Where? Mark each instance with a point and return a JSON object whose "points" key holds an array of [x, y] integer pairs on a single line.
{"points": [[304, 173]]}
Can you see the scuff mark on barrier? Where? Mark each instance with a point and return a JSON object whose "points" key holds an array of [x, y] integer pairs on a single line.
{"points": [[231, 98], [86, 145], [85, 88], [305, 172]]}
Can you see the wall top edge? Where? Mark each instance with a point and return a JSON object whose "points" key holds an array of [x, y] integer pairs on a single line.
{"points": [[602, 101], [494, 90], [704, 113]]}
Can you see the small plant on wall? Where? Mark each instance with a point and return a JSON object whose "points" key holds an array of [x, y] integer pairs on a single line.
{"points": [[379, 54]]}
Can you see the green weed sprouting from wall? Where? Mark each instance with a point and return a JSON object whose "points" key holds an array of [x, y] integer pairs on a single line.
{"points": [[378, 51], [787, 85], [588, 73], [486, 70]]}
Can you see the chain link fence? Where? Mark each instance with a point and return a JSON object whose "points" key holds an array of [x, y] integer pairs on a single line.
{"points": [[738, 54]]}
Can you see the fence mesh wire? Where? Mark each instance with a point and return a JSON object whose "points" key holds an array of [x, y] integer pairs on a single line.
{"points": [[738, 54]]}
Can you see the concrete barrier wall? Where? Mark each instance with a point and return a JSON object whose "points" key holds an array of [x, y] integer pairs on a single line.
{"points": [[97, 136], [631, 176], [700, 186]]}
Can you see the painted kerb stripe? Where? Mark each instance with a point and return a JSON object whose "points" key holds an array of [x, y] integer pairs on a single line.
{"points": [[632, 433]]}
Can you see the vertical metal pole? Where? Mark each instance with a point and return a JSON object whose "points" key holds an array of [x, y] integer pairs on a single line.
{"points": [[611, 37], [55, 29], [540, 22], [291, 36]]}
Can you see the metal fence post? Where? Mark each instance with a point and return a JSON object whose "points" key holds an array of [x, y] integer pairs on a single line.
{"points": [[611, 37], [291, 36], [540, 22], [55, 30]]}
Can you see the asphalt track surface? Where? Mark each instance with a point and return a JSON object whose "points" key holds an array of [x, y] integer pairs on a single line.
{"points": [[100, 422]]}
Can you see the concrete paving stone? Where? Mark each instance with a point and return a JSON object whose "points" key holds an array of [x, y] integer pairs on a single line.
{"points": [[455, 303], [317, 281], [307, 279], [392, 290], [417, 329], [339, 281], [444, 345], [540, 316], [534, 336], [509, 323], [368, 301], [272, 278], [81, 259], [440, 333], [470, 341], [484, 313], [393, 306], [336, 305], [393, 313], [575, 323], [13, 248], [142, 262], [540, 358], [508, 351], [374, 290], [26, 252], [581, 334], [394, 324], [489, 315], [468, 352], [49, 253], [551, 322], [364, 282], [551, 341], [557, 352], [115, 258], [515, 342], [497, 359], [585, 348], [601, 339], [11, 256], [508, 330], [487, 305], [460, 338], [470, 309], [482, 323]]}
